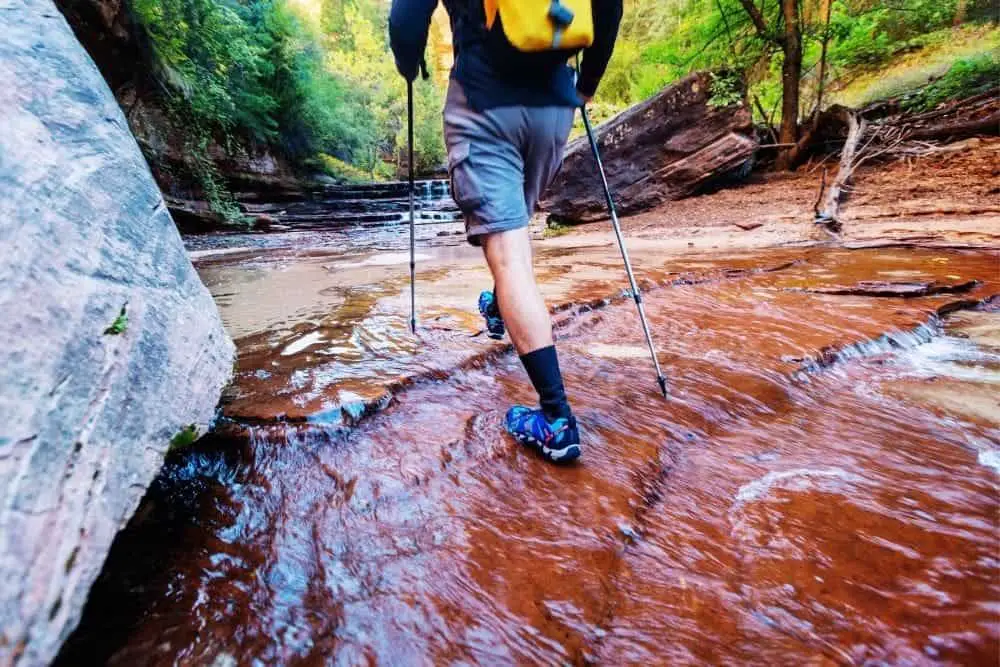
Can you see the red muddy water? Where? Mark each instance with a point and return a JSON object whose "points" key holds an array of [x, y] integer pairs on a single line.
{"points": [[820, 488]]}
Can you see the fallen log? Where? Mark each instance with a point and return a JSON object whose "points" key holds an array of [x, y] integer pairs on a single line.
{"points": [[659, 150], [950, 131]]}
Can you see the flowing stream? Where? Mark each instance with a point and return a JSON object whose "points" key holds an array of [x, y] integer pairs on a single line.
{"points": [[820, 488]]}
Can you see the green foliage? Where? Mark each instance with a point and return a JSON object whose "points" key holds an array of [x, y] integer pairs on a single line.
{"points": [[915, 69], [704, 34], [858, 39], [621, 79], [120, 324], [357, 50], [207, 175], [726, 90], [554, 229], [662, 41], [965, 78], [184, 438], [317, 110], [428, 138], [242, 73], [339, 170], [214, 61], [866, 33], [256, 72], [253, 71], [316, 80]]}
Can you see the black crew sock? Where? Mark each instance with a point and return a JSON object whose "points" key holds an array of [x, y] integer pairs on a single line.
{"points": [[543, 369]]}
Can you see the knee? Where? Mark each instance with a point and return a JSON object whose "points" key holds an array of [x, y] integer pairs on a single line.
{"points": [[507, 251]]}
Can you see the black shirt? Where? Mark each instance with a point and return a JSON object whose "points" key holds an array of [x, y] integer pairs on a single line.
{"points": [[522, 79]]}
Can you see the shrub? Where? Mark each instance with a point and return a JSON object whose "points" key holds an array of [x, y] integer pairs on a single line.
{"points": [[338, 169], [965, 78]]}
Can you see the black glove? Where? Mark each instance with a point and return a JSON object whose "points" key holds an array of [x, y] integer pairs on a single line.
{"points": [[409, 72]]}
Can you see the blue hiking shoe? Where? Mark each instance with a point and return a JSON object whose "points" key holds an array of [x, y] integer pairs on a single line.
{"points": [[488, 309], [557, 441]]}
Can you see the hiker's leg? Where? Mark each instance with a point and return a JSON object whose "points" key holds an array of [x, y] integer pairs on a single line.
{"points": [[509, 257], [486, 161], [542, 144], [539, 138], [510, 260]]}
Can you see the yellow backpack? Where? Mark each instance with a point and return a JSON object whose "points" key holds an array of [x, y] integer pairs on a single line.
{"points": [[543, 25]]}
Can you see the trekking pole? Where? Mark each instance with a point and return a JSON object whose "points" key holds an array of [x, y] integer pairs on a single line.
{"points": [[636, 294], [409, 164]]}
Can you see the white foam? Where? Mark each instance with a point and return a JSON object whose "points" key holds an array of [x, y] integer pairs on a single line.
{"points": [[617, 351], [195, 255], [383, 259], [798, 479], [300, 344], [955, 358], [989, 458]]}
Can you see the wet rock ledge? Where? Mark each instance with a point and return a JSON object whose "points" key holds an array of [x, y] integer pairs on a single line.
{"points": [[112, 347]]}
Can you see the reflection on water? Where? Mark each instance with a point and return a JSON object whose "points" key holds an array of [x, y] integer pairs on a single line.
{"points": [[821, 487]]}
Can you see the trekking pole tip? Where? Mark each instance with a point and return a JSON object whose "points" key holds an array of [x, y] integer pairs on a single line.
{"points": [[663, 385]]}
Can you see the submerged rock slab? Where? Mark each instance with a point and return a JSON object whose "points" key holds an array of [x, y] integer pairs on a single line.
{"points": [[659, 150], [110, 346], [904, 289]]}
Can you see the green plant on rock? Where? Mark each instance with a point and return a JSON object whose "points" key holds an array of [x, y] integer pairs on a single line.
{"points": [[184, 438], [726, 90], [120, 324], [212, 183], [554, 229]]}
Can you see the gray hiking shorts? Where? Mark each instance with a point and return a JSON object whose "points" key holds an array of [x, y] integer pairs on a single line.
{"points": [[501, 160]]}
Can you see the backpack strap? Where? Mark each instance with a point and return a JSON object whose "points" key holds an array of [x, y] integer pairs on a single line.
{"points": [[561, 16], [492, 8]]}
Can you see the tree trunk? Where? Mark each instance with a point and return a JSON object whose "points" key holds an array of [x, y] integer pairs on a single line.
{"points": [[791, 73], [960, 8], [828, 9], [793, 156]]}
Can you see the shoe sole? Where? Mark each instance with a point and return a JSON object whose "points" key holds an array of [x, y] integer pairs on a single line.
{"points": [[565, 455], [495, 334]]}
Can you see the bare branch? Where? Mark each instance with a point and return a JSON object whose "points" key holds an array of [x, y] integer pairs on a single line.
{"points": [[819, 198], [822, 62], [766, 118], [831, 211], [758, 19], [729, 34]]}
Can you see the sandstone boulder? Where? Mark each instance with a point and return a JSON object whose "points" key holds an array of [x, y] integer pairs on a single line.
{"points": [[659, 150], [110, 346]]}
